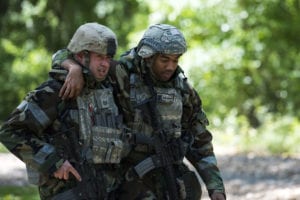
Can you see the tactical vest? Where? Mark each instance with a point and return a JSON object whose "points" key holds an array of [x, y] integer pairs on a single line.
{"points": [[100, 126], [169, 110], [168, 103], [100, 130]]}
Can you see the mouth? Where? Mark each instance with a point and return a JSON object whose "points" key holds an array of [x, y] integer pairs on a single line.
{"points": [[100, 73], [168, 73], [165, 76], [101, 70]]}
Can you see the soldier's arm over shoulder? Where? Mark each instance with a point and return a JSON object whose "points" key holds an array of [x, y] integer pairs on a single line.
{"points": [[65, 69]]}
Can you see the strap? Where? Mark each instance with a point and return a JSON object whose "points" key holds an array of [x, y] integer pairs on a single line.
{"points": [[153, 102], [145, 166], [114, 83]]}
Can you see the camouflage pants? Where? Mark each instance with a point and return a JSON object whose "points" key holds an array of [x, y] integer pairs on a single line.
{"points": [[99, 187], [154, 186]]}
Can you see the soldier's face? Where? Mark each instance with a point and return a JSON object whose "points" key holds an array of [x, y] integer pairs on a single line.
{"points": [[164, 66], [99, 65]]}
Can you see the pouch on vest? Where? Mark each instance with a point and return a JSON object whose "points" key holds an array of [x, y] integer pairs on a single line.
{"points": [[100, 127]]}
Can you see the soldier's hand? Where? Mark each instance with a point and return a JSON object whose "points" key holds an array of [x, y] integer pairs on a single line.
{"points": [[64, 170], [74, 81], [217, 196]]}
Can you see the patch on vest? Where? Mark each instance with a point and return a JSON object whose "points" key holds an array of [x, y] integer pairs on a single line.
{"points": [[165, 98]]}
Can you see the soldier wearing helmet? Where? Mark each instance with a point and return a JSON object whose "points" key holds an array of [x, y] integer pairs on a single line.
{"points": [[72, 148], [163, 39], [166, 119]]}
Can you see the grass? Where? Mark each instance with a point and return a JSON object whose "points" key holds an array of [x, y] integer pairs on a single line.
{"points": [[19, 193], [3, 148]]}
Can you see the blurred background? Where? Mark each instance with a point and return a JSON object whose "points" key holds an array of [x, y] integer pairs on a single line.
{"points": [[243, 58]]}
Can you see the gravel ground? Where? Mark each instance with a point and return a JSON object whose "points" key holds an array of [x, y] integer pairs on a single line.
{"points": [[12, 170], [260, 177], [246, 176]]}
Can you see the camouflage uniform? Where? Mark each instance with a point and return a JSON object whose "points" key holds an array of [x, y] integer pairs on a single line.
{"points": [[179, 114], [44, 131]]}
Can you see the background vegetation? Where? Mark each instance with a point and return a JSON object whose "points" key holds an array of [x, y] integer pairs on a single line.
{"points": [[19, 193], [243, 57]]}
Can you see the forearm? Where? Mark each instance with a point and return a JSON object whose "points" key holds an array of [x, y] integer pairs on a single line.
{"points": [[202, 156], [206, 165], [200, 153], [210, 174], [62, 59], [70, 65], [30, 149], [65, 69]]}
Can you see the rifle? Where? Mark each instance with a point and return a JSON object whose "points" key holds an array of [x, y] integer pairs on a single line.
{"points": [[71, 149], [160, 141]]}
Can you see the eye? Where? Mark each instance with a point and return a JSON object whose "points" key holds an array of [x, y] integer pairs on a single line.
{"points": [[164, 60], [109, 57], [104, 57]]}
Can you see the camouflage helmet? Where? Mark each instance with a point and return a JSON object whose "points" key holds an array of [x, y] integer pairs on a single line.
{"points": [[94, 37], [161, 38]]}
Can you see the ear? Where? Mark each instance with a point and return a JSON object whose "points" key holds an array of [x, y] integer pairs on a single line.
{"points": [[79, 56], [151, 58]]}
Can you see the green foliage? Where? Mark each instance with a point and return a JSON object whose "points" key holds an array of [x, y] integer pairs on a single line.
{"points": [[27, 70], [19, 193], [3, 149], [276, 135], [254, 60], [279, 135]]}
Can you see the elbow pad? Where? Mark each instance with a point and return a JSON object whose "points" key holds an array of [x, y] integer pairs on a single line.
{"points": [[46, 159]]}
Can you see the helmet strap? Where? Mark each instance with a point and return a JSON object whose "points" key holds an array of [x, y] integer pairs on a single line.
{"points": [[86, 59], [149, 62]]}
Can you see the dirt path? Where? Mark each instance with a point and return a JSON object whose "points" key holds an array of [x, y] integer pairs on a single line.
{"points": [[261, 177], [12, 170], [245, 176]]}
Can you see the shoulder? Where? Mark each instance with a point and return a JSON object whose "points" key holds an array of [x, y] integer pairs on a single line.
{"points": [[118, 72], [181, 82], [130, 60], [49, 86], [188, 92], [46, 93]]}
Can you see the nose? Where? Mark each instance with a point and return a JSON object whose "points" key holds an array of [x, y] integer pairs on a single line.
{"points": [[105, 61], [171, 65]]}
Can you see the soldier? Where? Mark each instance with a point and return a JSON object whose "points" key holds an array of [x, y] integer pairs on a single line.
{"points": [[72, 148], [167, 121]]}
